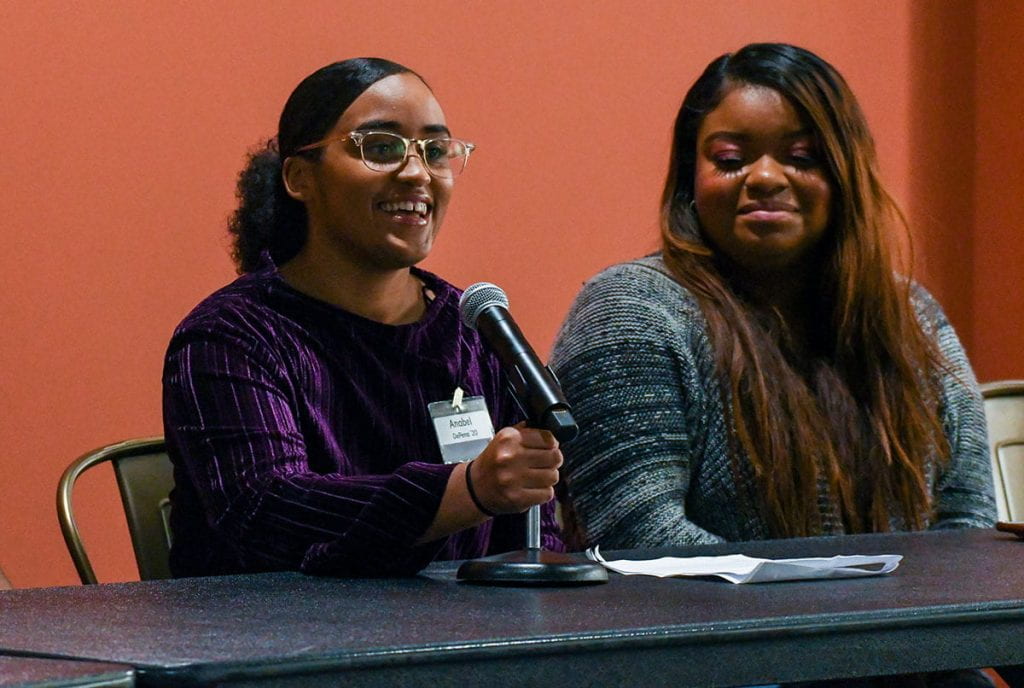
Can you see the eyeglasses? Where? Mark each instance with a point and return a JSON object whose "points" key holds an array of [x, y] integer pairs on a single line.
{"points": [[383, 151]]}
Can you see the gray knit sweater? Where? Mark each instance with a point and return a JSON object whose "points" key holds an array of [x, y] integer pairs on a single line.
{"points": [[651, 466]]}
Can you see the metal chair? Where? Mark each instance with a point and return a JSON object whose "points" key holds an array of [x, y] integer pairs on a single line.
{"points": [[144, 477], [1004, 411]]}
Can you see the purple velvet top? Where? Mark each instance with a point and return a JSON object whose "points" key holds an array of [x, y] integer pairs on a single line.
{"points": [[300, 435]]}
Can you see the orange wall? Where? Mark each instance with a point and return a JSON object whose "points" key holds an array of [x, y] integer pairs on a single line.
{"points": [[939, 139], [998, 157], [125, 124]]}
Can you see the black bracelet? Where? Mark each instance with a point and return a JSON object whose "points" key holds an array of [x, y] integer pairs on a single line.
{"points": [[472, 494]]}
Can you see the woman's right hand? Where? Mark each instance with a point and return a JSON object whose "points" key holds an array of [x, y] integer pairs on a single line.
{"points": [[517, 470]]}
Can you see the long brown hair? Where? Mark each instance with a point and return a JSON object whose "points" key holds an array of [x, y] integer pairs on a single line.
{"points": [[861, 414]]}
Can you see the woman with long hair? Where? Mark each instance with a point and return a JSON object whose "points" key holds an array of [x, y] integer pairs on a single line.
{"points": [[307, 405], [769, 373]]}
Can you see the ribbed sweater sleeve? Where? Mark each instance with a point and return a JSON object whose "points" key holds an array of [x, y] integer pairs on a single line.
{"points": [[964, 496], [229, 419], [624, 357]]}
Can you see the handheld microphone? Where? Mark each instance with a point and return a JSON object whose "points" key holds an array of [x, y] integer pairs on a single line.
{"points": [[484, 308]]}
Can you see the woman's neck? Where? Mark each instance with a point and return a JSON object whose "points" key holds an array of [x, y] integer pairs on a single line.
{"points": [[392, 297]]}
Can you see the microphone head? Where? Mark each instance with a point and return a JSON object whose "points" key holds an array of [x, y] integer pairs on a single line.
{"points": [[477, 298]]}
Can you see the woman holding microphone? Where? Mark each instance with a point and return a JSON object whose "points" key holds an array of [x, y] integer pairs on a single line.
{"points": [[306, 403]]}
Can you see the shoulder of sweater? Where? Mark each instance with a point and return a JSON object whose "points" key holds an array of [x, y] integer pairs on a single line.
{"points": [[258, 299], [929, 311], [644, 283], [959, 384], [934, 322], [636, 305], [237, 306]]}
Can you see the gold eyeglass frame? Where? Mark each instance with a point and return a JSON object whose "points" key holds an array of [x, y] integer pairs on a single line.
{"points": [[357, 137]]}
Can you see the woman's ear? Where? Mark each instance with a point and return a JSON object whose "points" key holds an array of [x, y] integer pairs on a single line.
{"points": [[296, 173]]}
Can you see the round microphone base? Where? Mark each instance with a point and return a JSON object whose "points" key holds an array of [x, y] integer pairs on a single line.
{"points": [[532, 567]]}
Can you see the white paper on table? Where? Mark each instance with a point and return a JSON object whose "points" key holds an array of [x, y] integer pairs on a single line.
{"points": [[739, 568]]}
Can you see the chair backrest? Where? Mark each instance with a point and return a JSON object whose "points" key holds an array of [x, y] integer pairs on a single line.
{"points": [[144, 477], [1004, 411]]}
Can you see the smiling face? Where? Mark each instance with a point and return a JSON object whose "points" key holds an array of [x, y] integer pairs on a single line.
{"points": [[761, 184], [375, 220]]}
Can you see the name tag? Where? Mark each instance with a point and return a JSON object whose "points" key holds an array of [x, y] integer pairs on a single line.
{"points": [[462, 430]]}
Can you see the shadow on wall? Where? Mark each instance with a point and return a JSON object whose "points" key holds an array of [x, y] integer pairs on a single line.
{"points": [[942, 150]]}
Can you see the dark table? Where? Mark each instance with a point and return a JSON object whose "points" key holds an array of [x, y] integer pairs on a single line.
{"points": [[30, 672], [957, 600]]}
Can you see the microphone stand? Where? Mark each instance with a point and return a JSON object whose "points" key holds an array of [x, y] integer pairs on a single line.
{"points": [[533, 565]]}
